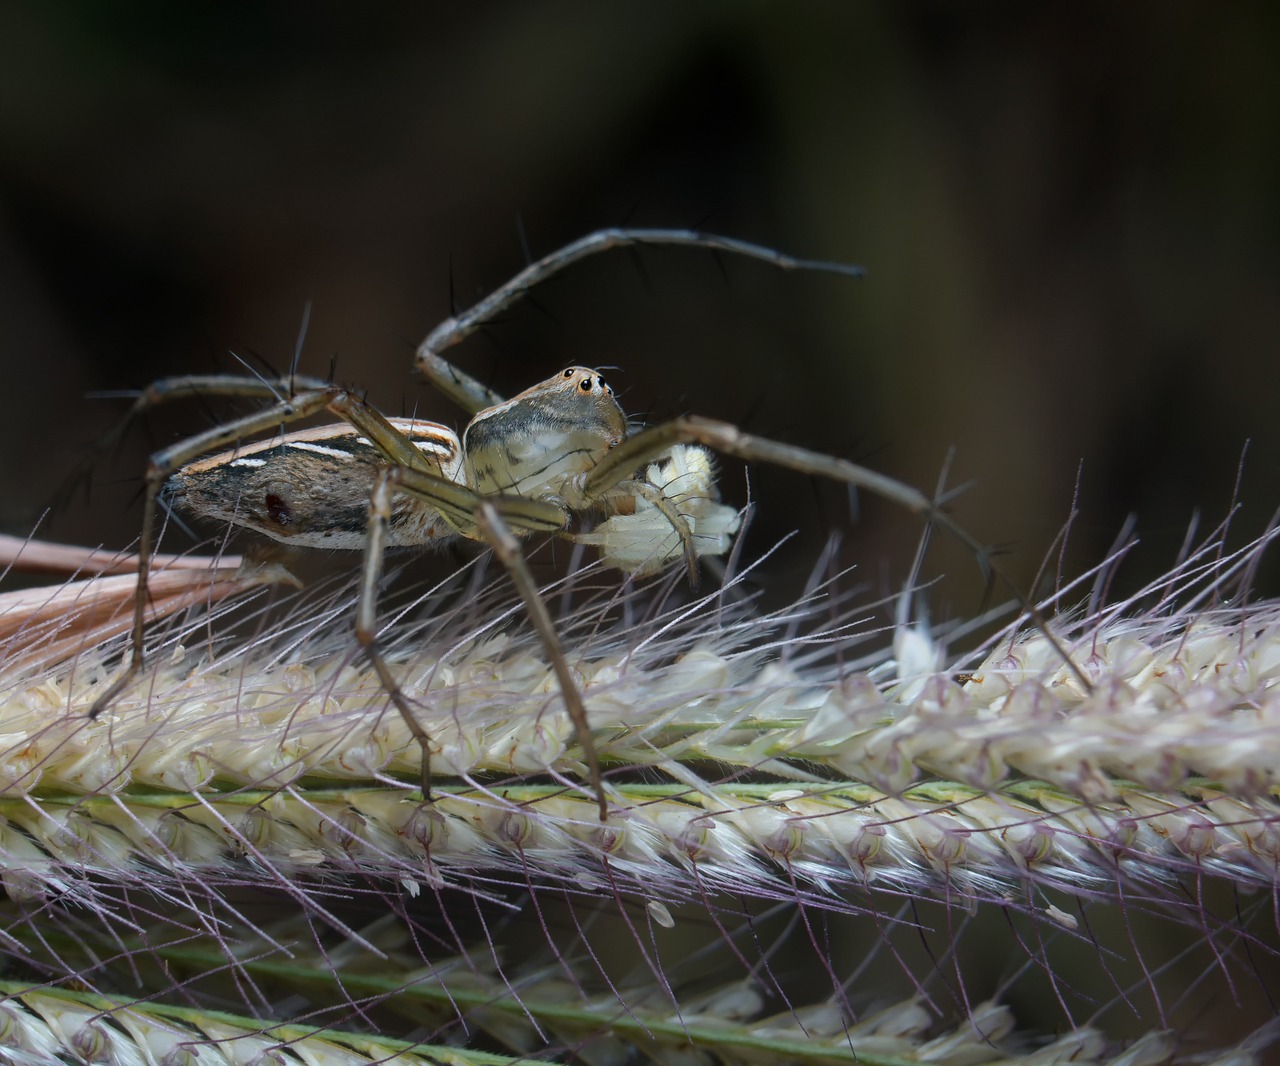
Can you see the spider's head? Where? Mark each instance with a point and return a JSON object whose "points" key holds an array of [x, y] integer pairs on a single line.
{"points": [[536, 442]]}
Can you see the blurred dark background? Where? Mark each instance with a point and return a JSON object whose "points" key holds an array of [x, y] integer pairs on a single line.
{"points": [[1069, 215]]}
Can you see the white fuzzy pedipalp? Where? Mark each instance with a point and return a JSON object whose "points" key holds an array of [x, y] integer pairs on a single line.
{"points": [[645, 542]]}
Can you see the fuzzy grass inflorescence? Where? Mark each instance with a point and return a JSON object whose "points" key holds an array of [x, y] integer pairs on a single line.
{"points": [[242, 831]]}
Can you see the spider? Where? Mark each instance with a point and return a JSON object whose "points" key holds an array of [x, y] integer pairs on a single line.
{"points": [[525, 465]]}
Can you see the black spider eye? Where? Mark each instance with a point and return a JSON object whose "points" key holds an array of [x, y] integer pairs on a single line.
{"points": [[568, 373], [585, 384]]}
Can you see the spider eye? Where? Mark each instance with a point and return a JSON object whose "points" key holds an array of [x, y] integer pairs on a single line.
{"points": [[585, 384], [568, 373]]}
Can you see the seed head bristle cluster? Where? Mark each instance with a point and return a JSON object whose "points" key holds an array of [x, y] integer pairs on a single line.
{"points": [[1008, 767], [50, 1028], [778, 757]]}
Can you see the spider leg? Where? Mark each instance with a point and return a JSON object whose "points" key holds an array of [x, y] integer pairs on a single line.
{"points": [[474, 397], [195, 385], [507, 549], [165, 462], [491, 519], [470, 515], [393, 444], [618, 465], [188, 386], [367, 614], [464, 390], [727, 439]]}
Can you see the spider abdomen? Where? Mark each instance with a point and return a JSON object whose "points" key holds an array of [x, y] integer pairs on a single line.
{"points": [[310, 489]]}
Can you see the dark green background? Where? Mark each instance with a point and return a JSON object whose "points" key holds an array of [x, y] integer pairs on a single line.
{"points": [[1069, 215]]}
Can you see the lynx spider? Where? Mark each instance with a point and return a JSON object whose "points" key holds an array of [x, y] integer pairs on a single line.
{"points": [[522, 466]]}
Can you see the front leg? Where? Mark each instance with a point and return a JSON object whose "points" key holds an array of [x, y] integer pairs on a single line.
{"points": [[728, 439], [474, 397]]}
